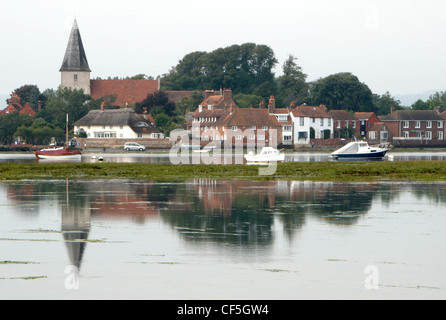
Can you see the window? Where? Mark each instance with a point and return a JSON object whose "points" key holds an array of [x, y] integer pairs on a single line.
{"points": [[261, 137], [264, 127], [384, 136], [252, 137], [282, 118], [234, 128], [287, 138], [406, 134], [322, 122], [429, 124], [338, 124], [372, 135], [302, 121], [440, 125], [253, 128], [75, 77], [417, 124], [405, 124], [429, 135], [287, 128], [354, 124], [329, 122], [440, 135]]}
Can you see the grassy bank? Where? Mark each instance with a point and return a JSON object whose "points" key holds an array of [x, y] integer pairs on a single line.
{"points": [[299, 171]]}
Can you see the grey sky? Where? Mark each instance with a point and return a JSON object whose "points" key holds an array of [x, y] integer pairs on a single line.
{"points": [[392, 45]]}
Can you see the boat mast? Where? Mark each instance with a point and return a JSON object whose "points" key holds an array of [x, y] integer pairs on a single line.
{"points": [[67, 133]]}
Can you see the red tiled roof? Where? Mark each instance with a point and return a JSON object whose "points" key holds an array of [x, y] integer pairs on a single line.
{"points": [[251, 117], [127, 91], [342, 115], [312, 112], [363, 115]]}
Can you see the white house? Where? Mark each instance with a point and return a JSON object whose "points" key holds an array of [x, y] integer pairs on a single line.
{"points": [[116, 124], [305, 117]]}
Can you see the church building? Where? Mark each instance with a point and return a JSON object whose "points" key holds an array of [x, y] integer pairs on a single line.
{"points": [[75, 74]]}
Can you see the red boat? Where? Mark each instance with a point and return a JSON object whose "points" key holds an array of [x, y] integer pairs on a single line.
{"points": [[62, 153], [58, 154]]}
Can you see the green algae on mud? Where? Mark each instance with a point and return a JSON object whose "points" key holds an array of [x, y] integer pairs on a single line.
{"points": [[300, 171]]}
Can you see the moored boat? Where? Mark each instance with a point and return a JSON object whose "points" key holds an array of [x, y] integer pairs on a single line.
{"points": [[58, 154], [359, 150], [63, 153], [267, 154]]}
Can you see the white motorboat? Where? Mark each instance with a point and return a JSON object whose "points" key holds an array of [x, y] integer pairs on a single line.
{"points": [[266, 155], [359, 150]]}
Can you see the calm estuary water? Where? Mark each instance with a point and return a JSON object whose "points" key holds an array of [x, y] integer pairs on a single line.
{"points": [[207, 239]]}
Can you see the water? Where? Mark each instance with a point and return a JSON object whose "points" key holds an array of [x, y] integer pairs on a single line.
{"points": [[163, 157], [207, 239]]}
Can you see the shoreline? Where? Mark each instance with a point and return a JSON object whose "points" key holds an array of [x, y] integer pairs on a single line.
{"points": [[421, 171]]}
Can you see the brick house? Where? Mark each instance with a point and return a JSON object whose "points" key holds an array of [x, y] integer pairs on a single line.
{"points": [[379, 133], [344, 119], [367, 119], [219, 118], [14, 105], [416, 128]]}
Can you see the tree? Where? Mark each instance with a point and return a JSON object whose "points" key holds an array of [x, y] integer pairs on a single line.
{"points": [[158, 101], [30, 94], [9, 124], [247, 100], [65, 101], [292, 84], [342, 91], [386, 103], [243, 68], [40, 132]]}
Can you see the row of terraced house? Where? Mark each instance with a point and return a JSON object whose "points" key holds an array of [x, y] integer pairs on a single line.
{"points": [[219, 118]]}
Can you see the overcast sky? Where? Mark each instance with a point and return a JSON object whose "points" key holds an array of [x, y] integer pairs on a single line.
{"points": [[391, 45]]}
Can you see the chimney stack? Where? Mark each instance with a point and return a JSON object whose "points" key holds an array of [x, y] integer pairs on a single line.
{"points": [[272, 104], [262, 104]]}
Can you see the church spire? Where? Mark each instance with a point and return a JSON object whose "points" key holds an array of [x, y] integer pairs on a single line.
{"points": [[75, 58]]}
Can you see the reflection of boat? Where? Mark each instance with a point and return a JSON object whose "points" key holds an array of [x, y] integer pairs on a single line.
{"points": [[267, 154], [58, 154], [359, 150], [62, 153]]}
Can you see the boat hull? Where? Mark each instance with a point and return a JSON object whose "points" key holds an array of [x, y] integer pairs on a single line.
{"points": [[58, 154], [265, 159], [371, 155]]}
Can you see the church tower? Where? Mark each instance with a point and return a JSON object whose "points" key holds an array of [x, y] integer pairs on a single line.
{"points": [[75, 72]]}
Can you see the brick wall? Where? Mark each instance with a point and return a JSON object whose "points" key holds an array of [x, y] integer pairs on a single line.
{"points": [[119, 143]]}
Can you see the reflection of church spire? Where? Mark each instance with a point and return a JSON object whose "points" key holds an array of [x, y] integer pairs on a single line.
{"points": [[75, 230]]}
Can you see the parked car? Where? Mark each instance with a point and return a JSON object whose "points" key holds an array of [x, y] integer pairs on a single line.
{"points": [[133, 146]]}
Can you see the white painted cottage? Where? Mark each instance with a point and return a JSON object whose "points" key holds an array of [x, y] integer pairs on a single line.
{"points": [[116, 124], [305, 117]]}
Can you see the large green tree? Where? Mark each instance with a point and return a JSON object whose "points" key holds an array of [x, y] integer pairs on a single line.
{"points": [[292, 84], [342, 91], [243, 68], [66, 101]]}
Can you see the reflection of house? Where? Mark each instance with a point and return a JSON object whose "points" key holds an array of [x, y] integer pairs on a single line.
{"points": [[15, 106], [414, 128], [308, 119], [116, 124]]}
